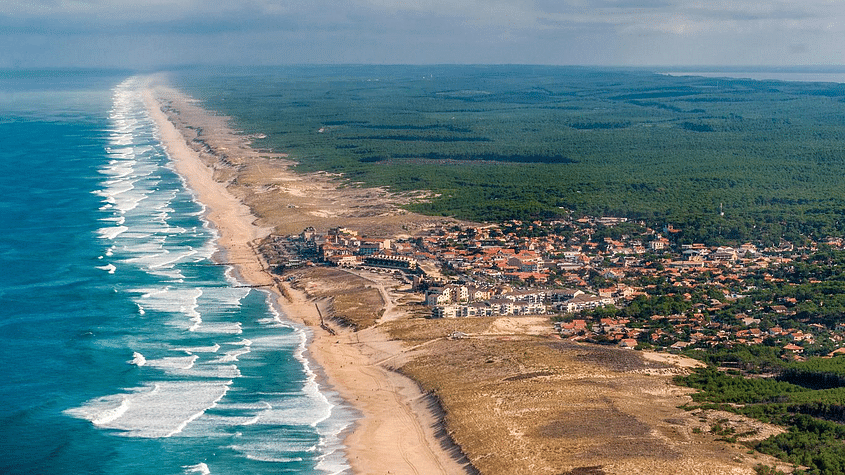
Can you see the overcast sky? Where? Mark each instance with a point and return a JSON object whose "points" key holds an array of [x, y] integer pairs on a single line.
{"points": [[159, 33]]}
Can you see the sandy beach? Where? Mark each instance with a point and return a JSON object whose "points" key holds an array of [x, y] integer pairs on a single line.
{"points": [[397, 431]]}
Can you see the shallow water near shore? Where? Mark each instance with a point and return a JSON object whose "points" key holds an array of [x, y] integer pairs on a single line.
{"points": [[125, 348]]}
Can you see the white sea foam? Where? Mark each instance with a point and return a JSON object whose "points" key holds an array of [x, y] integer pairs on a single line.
{"points": [[138, 359], [312, 401], [122, 140], [161, 409], [112, 233], [224, 297], [201, 349], [279, 447], [242, 341], [119, 220], [141, 243], [257, 406], [216, 371], [112, 414], [110, 268], [272, 322], [173, 363], [200, 468], [232, 356], [174, 301], [311, 388], [128, 200], [174, 275], [191, 367], [164, 259], [143, 149], [118, 187], [197, 414], [294, 409], [235, 328], [261, 457]]}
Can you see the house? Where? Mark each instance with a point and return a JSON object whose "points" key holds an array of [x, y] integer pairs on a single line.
{"points": [[724, 254], [748, 250], [612, 325], [629, 343], [611, 220], [686, 264], [571, 328], [801, 336], [529, 265], [747, 321], [659, 244], [614, 274], [793, 348], [679, 345]]}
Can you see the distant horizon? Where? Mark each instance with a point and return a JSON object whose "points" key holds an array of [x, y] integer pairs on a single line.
{"points": [[821, 68], [806, 73]]}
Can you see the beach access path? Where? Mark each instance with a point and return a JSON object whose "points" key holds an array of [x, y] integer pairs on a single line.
{"points": [[396, 433]]}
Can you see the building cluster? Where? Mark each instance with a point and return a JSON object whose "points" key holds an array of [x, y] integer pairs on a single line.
{"points": [[681, 331], [459, 300], [569, 268], [341, 247]]}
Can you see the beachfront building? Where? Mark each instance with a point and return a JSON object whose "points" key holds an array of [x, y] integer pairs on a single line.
{"points": [[369, 247], [393, 262], [562, 295], [445, 311], [583, 302], [477, 309], [535, 296], [487, 308], [438, 296]]}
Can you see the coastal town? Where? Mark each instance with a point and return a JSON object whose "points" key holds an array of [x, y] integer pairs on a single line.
{"points": [[599, 279]]}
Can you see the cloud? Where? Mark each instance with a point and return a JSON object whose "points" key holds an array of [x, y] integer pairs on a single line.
{"points": [[670, 16], [690, 17], [541, 31]]}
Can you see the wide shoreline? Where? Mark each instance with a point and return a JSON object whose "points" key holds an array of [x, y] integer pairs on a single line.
{"points": [[397, 432]]}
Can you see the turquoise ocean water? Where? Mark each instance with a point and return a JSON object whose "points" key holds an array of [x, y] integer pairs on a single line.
{"points": [[123, 348]]}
